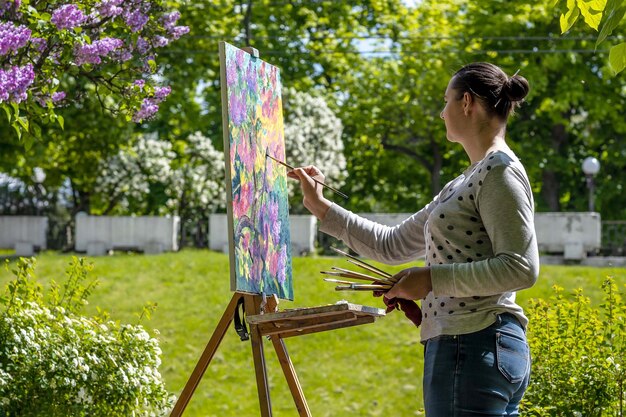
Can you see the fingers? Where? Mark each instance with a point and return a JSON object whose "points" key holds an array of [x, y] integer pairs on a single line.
{"points": [[396, 290], [310, 170]]}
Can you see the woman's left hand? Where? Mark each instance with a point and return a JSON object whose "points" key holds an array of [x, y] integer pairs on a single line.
{"points": [[412, 284]]}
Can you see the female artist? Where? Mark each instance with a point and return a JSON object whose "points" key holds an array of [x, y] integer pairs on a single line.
{"points": [[478, 239]]}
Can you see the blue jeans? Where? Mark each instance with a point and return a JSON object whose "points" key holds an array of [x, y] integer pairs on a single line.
{"points": [[479, 374]]}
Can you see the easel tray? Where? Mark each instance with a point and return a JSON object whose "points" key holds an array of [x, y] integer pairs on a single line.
{"points": [[300, 321]]}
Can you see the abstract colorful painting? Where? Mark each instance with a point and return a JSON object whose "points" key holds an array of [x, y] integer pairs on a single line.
{"points": [[258, 209]]}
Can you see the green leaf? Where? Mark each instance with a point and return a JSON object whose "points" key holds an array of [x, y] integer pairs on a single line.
{"points": [[591, 11], [18, 130], [35, 130], [617, 57], [7, 110], [23, 121], [568, 19], [28, 142], [61, 121], [613, 14]]}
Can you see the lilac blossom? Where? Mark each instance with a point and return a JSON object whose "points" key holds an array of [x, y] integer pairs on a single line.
{"points": [[14, 83], [178, 31], [142, 45], [148, 108], [169, 20], [139, 83], [39, 44], [6, 5], [12, 37], [109, 8], [92, 54], [160, 41], [160, 93], [136, 20], [58, 96], [67, 16]]}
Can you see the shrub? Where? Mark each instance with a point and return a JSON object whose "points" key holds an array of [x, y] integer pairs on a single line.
{"points": [[55, 362], [578, 355]]}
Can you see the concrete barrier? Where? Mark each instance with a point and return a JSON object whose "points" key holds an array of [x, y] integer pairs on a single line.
{"points": [[572, 234], [96, 235], [302, 229], [24, 234]]}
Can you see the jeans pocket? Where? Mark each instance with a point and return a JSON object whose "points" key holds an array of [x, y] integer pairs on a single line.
{"points": [[512, 354]]}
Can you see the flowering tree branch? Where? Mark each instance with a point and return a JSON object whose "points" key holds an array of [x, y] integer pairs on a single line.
{"points": [[47, 46]]}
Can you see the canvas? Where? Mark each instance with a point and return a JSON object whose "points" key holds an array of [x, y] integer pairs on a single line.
{"points": [[257, 200]]}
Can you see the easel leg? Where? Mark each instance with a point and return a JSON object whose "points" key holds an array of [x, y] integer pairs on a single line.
{"points": [[290, 375], [206, 357], [253, 304]]}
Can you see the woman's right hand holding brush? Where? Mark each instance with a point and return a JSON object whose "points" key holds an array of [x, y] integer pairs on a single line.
{"points": [[314, 199]]}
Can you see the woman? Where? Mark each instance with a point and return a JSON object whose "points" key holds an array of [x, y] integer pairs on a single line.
{"points": [[478, 240]]}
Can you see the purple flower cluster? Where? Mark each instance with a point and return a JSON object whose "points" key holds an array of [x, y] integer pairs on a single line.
{"points": [[160, 41], [142, 46], [12, 37], [92, 54], [169, 23], [14, 83], [67, 16], [169, 20], [160, 93], [150, 105], [109, 8], [178, 31], [58, 96], [39, 44], [7, 5], [136, 20]]}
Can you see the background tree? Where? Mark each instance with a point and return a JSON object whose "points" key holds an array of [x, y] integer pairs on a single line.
{"points": [[313, 137]]}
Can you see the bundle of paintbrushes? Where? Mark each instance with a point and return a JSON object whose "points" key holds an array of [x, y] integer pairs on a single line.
{"points": [[381, 282]]}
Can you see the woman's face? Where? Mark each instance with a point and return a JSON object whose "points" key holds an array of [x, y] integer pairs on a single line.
{"points": [[454, 113]]}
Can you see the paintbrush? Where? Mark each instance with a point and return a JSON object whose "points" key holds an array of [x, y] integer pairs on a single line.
{"points": [[364, 265], [362, 287], [363, 276], [355, 276], [340, 281], [317, 181]]}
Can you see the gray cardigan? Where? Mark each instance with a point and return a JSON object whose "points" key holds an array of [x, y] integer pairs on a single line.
{"points": [[477, 236]]}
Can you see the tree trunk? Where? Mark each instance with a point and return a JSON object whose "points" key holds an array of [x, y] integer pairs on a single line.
{"points": [[551, 190], [435, 168], [247, 23]]}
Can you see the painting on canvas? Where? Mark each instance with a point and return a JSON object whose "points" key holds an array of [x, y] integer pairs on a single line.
{"points": [[257, 200]]}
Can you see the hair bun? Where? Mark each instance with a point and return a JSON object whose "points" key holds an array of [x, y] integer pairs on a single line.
{"points": [[515, 88]]}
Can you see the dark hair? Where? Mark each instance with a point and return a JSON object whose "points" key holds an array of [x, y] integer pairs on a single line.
{"points": [[498, 93]]}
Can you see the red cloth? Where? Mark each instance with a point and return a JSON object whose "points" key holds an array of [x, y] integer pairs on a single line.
{"points": [[410, 308]]}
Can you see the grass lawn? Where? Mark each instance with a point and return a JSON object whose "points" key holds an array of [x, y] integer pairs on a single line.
{"points": [[370, 370]]}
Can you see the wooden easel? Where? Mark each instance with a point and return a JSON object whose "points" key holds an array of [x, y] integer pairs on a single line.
{"points": [[265, 320]]}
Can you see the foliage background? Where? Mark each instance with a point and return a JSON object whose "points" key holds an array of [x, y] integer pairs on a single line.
{"points": [[381, 67]]}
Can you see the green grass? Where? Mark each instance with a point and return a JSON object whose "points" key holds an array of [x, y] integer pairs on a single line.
{"points": [[370, 370]]}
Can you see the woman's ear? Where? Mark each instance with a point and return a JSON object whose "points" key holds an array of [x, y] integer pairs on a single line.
{"points": [[468, 100]]}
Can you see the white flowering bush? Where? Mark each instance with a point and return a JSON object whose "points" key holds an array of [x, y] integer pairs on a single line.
{"points": [[126, 179], [55, 362], [191, 179], [313, 137], [197, 182]]}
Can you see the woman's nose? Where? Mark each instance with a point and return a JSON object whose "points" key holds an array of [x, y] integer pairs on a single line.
{"points": [[441, 114]]}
